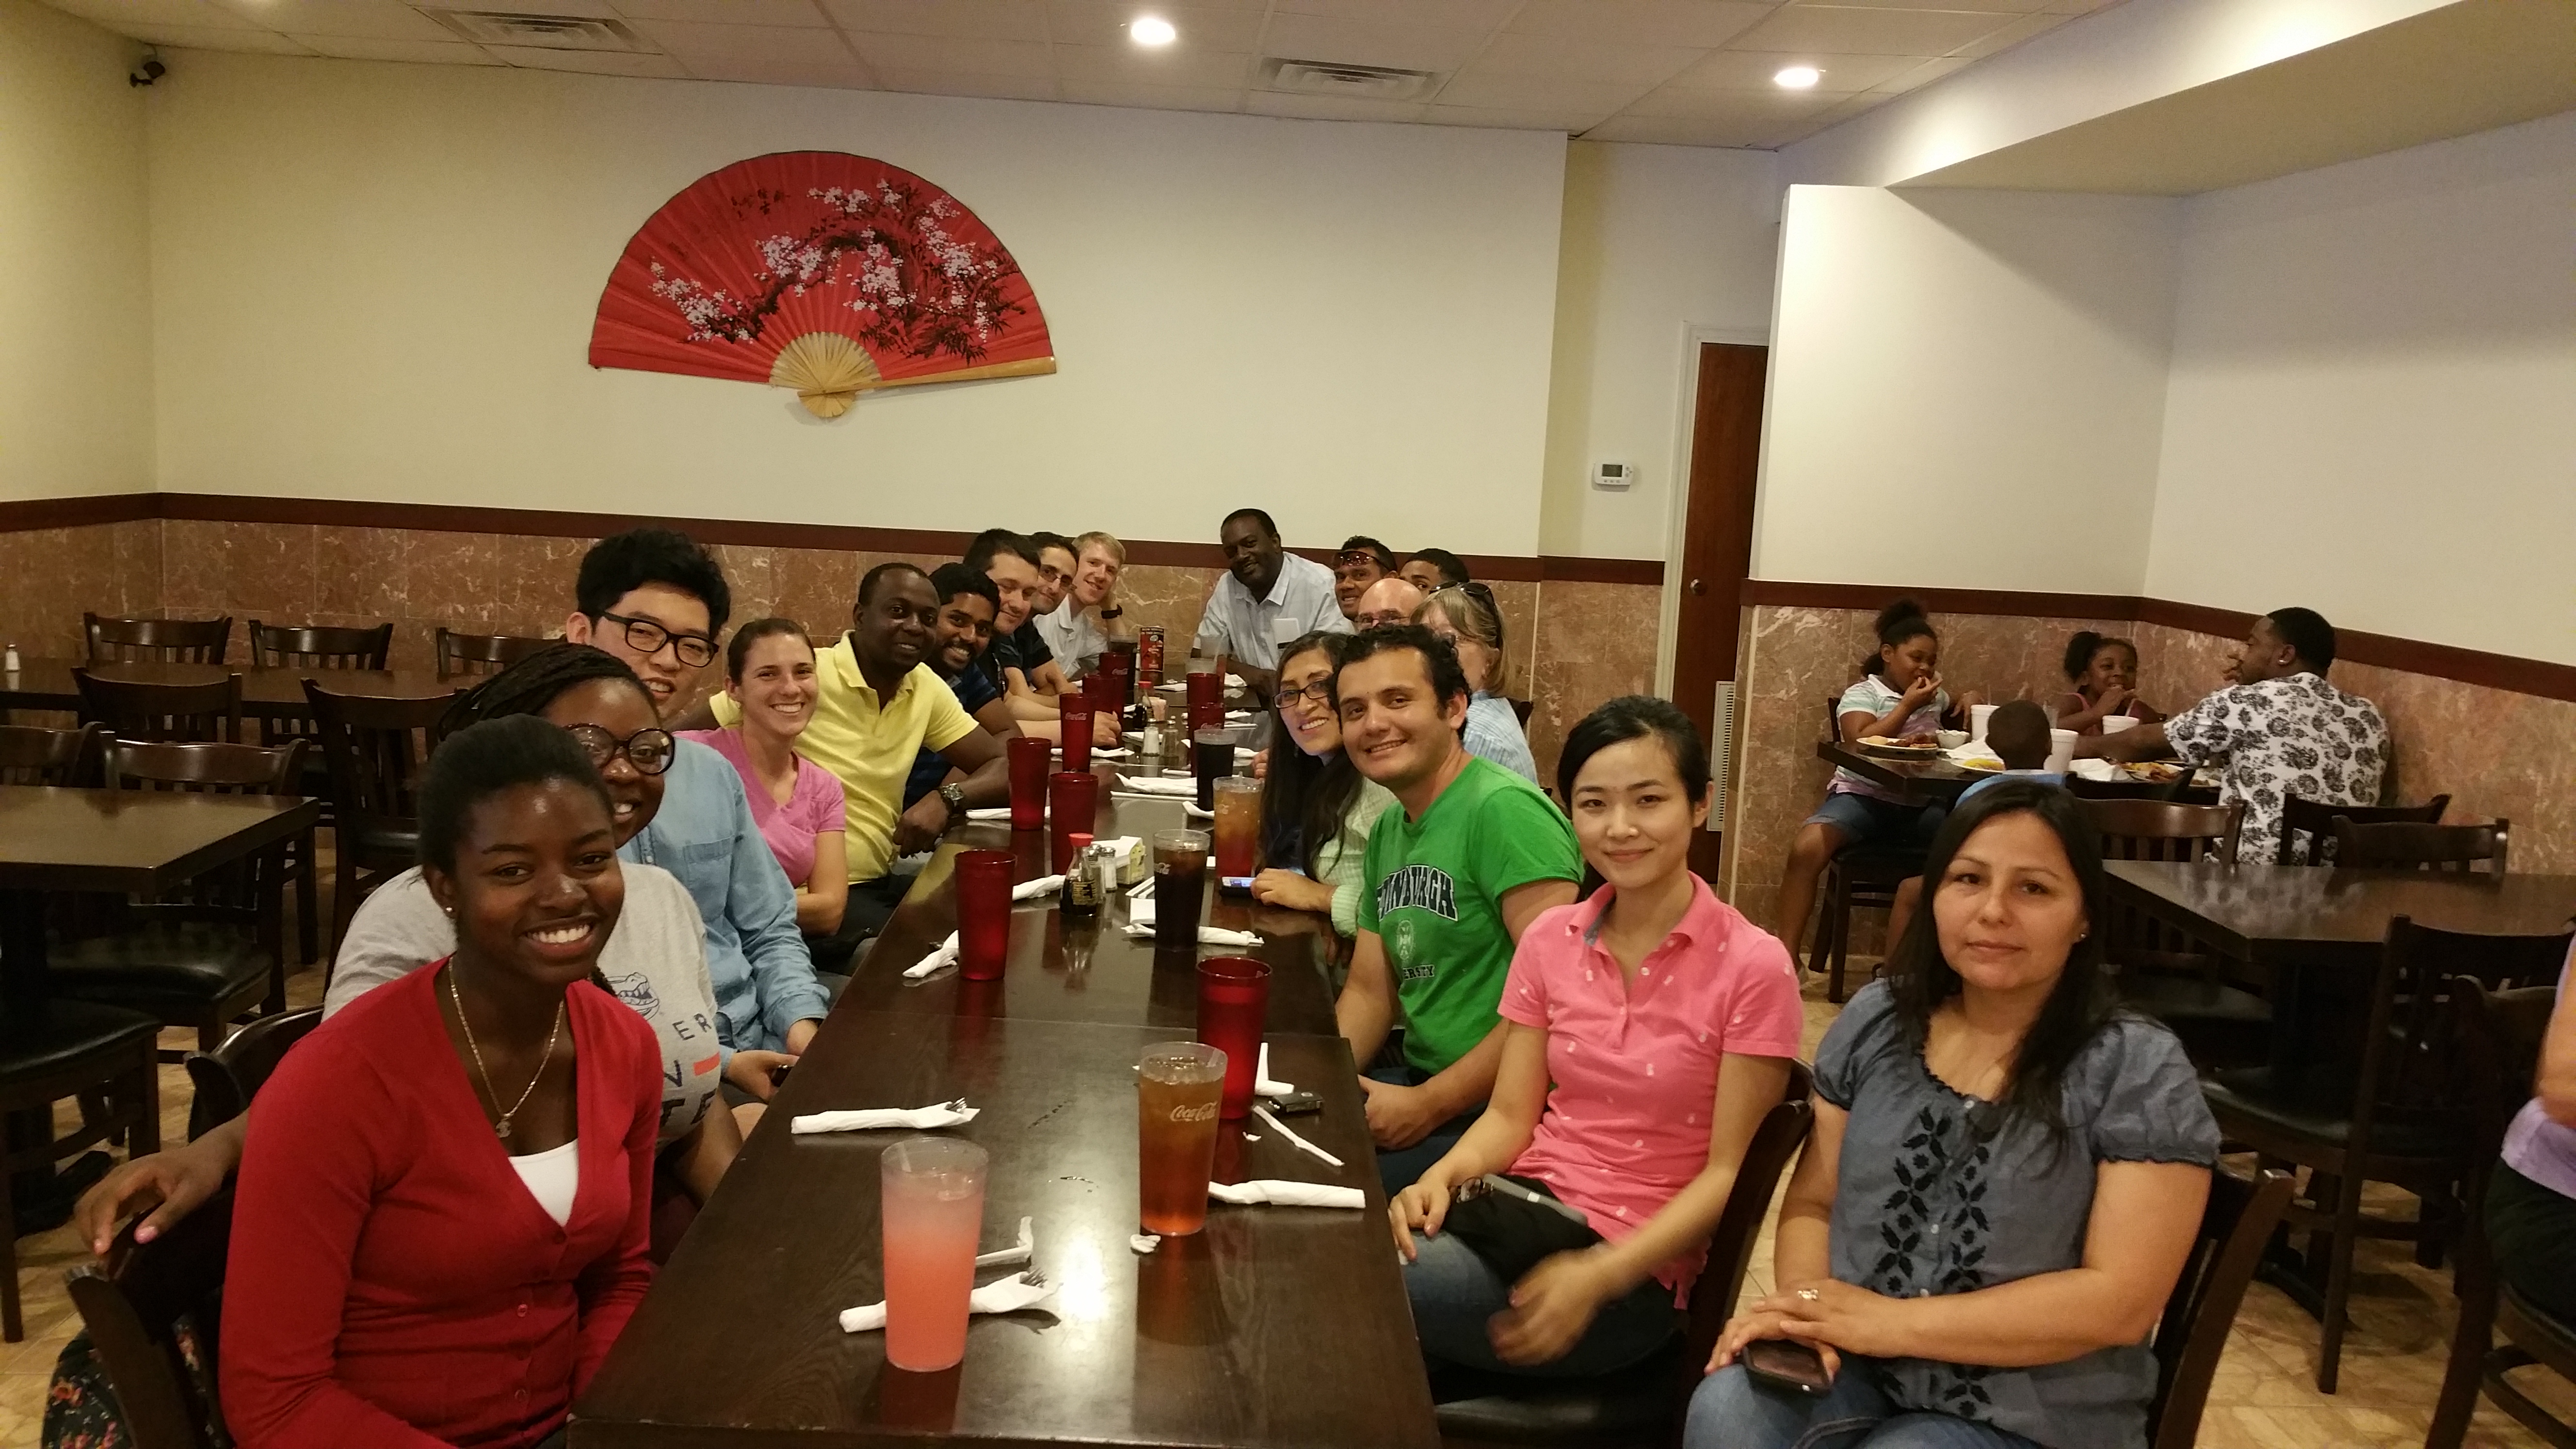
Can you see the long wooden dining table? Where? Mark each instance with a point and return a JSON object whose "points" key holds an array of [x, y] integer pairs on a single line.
{"points": [[1941, 780], [1271, 1327], [268, 691]]}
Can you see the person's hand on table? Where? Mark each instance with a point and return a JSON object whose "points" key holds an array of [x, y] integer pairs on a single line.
{"points": [[750, 1071], [1421, 1208], [1106, 730], [921, 826], [1291, 891], [1552, 1305], [169, 1185], [1399, 1116], [1965, 700]]}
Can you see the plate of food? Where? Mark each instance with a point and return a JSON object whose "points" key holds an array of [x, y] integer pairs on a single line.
{"points": [[2153, 772], [1904, 747], [1978, 764]]}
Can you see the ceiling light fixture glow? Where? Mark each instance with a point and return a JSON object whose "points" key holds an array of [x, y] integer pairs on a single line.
{"points": [[1798, 78], [1151, 30]]}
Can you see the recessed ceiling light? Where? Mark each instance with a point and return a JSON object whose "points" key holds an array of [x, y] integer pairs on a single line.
{"points": [[1798, 78], [1151, 30]]}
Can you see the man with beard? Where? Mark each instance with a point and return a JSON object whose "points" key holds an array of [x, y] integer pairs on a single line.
{"points": [[967, 604], [1267, 597]]}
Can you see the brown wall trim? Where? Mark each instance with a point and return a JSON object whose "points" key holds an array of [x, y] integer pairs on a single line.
{"points": [[2384, 651], [20, 515]]}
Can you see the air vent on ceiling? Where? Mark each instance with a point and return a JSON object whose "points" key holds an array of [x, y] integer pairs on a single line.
{"points": [[1359, 82], [547, 32]]}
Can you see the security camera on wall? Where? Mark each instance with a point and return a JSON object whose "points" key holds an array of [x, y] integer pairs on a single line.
{"points": [[151, 69]]}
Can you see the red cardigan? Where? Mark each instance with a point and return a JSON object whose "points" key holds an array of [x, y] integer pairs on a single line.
{"points": [[391, 1282]]}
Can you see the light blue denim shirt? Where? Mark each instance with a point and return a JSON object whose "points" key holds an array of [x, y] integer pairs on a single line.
{"points": [[704, 834], [1493, 732]]}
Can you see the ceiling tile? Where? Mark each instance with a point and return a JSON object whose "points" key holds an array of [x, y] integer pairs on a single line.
{"points": [[412, 52], [1991, 7], [1640, 22], [1746, 70], [965, 19], [1922, 75], [1330, 108], [589, 62], [1090, 22], [951, 53], [823, 69], [1371, 42], [960, 83], [1447, 14], [2077, 7], [122, 16], [1554, 57], [693, 42], [586, 9], [1853, 30], [1515, 92], [1843, 110], [2011, 35], [1673, 131], [1507, 118], [1135, 65], [721, 12], [1159, 98], [372, 19], [1759, 109], [205, 37]]}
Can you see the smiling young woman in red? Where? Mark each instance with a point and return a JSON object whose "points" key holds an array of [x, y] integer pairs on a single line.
{"points": [[441, 1219]]}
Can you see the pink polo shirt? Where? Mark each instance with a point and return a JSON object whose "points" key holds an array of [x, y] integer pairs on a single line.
{"points": [[1635, 1070]]}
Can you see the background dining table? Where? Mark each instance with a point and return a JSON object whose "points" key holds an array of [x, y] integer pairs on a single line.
{"points": [[267, 692], [1938, 779]]}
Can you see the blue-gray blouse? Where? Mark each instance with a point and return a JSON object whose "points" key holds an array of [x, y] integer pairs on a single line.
{"points": [[1931, 1199]]}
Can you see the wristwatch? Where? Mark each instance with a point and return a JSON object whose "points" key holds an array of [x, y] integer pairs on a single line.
{"points": [[954, 797], [1112, 613]]}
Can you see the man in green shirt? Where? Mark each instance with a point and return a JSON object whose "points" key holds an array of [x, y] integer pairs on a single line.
{"points": [[1474, 855]]}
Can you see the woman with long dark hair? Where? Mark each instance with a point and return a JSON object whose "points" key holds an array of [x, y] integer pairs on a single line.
{"points": [[2005, 1179], [1316, 808]]}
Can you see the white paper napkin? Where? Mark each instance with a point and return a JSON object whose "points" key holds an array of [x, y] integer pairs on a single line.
{"points": [[1262, 1086], [1010, 1295], [989, 812], [1271, 1121], [1158, 785], [945, 954], [1280, 1193], [880, 1119], [1191, 809], [1109, 752], [1140, 924], [2102, 770], [1045, 885], [1025, 1249]]}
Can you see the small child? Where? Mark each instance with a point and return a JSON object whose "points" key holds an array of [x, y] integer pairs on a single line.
{"points": [[2018, 734]]}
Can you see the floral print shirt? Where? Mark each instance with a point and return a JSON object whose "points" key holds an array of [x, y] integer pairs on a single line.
{"points": [[2296, 735]]}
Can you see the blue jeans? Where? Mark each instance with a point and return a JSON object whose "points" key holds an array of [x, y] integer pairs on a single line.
{"points": [[1454, 1293], [1731, 1411], [1397, 1168]]}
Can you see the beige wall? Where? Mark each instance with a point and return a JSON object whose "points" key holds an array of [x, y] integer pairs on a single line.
{"points": [[377, 282], [75, 266]]}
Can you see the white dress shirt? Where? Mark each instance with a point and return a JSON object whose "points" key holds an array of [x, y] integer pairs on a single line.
{"points": [[1249, 630], [1073, 634]]}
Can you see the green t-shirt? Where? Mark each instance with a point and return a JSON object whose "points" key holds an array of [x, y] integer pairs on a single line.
{"points": [[1435, 899]]}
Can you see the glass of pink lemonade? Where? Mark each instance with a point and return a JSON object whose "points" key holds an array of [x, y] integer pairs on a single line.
{"points": [[933, 1210]]}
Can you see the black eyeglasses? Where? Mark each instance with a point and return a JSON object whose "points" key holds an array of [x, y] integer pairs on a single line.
{"points": [[1470, 588], [649, 751], [1319, 694], [647, 638]]}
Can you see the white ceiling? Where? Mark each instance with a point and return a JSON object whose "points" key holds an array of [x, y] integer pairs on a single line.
{"points": [[1685, 72]]}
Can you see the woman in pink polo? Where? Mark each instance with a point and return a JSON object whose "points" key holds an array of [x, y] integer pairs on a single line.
{"points": [[1667, 1023]]}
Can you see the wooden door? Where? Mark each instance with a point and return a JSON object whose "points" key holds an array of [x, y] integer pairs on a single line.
{"points": [[1717, 547]]}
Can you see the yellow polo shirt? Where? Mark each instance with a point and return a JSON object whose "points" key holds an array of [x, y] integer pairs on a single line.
{"points": [[869, 744]]}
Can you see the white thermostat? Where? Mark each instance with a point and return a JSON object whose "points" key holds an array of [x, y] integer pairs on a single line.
{"points": [[1614, 476]]}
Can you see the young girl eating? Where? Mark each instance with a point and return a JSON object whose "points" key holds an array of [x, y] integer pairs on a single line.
{"points": [[2104, 672]]}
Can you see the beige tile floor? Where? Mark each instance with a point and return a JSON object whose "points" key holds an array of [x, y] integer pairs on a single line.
{"points": [[2264, 1398]]}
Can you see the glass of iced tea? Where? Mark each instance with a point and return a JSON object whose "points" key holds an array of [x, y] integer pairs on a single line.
{"points": [[1179, 1085], [1180, 882], [932, 1208], [1238, 832]]}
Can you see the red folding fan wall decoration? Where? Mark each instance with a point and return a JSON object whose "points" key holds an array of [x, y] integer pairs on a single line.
{"points": [[824, 272]]}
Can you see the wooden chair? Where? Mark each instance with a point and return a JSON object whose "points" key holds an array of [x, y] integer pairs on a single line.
{"points": [[33, 756], [135, 710], [225, 1079], [377, 749], [2307, 826], [101, 1055], [157, 641], [209, 959], [2164, 973], [2191, 1338], [2404, 1122], [2500, 1034], [149, 1309], [483, 653], [1860, 876], [319, 646], [2447, 848], [1642, 1404]]}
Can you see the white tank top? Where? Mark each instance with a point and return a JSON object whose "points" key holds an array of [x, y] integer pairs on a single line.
{"points": [[552, 1177]]}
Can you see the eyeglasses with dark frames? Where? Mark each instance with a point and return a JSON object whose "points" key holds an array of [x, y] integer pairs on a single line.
{"points": [[648, 638], [650, 751], [1318, 694]]}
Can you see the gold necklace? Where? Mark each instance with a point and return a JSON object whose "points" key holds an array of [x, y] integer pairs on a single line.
{"points": [[501, 1129]]}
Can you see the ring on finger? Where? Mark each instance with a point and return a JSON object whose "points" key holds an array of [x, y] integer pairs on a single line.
{"points": [[1811, 1295]]}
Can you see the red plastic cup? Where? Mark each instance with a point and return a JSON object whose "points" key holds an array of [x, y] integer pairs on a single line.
{"points": [[1206, 688], [1074, 711], [1030, 758], [1073, 801], [1234, 997], [1118, 668], [983, 913]]}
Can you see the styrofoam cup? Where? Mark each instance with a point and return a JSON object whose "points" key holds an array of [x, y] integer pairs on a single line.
{"points": [[2061, 751], [2113, 724], [1978, 714]]}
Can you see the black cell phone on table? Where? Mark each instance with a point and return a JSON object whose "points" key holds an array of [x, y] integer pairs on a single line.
{"points": [[1295, 1103], [1788, 1364]]}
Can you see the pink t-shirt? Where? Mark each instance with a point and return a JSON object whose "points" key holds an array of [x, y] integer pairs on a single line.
{"points": [[1627, 1123], [814, 806]]}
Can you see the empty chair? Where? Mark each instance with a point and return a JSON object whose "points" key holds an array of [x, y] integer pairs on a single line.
{"points": [[136, 710], [2163, 972], [225, 1079], [157, 641], [207, 959], [153, 1315], [482, 653], [2307, 826], [317, 646], [2454, 848], [101, 1055], [33, 756], [377, 749], [1862, 875]]}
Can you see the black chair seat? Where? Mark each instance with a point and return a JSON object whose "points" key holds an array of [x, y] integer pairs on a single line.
{"points": [[1877, 863], [65, 1033], [163, 961], [2173, 998], [2248, 1096], [382, 842], [1633, 1406]]}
